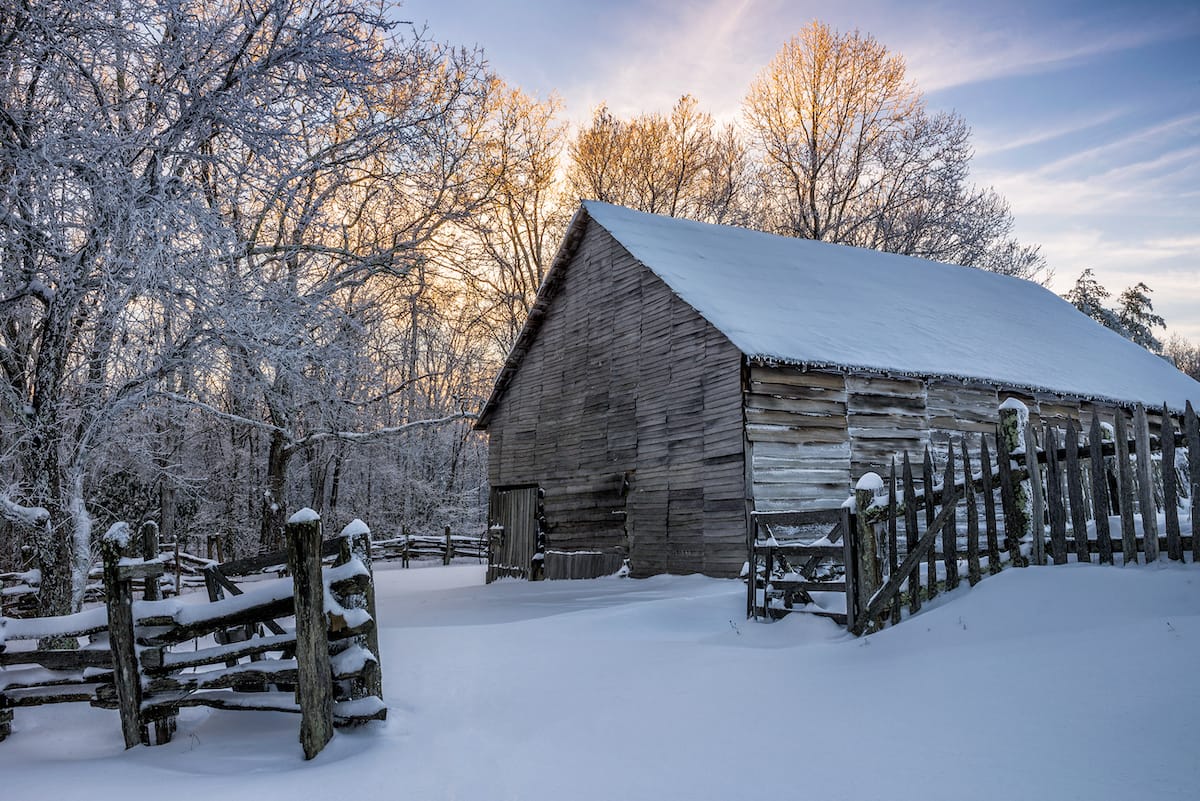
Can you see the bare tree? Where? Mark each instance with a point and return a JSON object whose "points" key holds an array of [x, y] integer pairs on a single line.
{"points": [[680, 164], [851, 155]]}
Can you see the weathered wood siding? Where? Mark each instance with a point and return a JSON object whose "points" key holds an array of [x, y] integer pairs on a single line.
{"points": [[812, 433], [797, 433], [627, 411]]}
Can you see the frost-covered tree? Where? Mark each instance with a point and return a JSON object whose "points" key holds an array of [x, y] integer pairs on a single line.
{"points": [[850, 154], [1183, 354]]}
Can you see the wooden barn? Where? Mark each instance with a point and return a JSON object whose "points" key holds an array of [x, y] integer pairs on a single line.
{"points": [[675, 376]]}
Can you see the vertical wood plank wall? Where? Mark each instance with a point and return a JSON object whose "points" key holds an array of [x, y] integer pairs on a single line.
{"points": [[627, 411]]}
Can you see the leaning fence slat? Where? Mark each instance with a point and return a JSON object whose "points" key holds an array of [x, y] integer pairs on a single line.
{"points": [[1125, 490], [1100, 504], [1170, 489], [974, 573], [931, 582], [1146, 485], [314, 686], [1037, 525], [888, 591], [989, 507], [911, 536], [1191, 428], [1056, 509], [893, 561], [1075, 495]]}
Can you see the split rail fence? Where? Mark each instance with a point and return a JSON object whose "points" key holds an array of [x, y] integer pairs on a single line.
{"points": [[899, 543], [325, 667]]}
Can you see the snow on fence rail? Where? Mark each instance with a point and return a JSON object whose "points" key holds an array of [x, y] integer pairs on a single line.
{"points": [[1071, 498], [326, 668]]}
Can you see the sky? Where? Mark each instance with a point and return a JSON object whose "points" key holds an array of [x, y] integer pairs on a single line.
{"points": [[1086, 115]]}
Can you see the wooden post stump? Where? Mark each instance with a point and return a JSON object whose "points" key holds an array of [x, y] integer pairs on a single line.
{"points": [[118, 594], [314, 685]]}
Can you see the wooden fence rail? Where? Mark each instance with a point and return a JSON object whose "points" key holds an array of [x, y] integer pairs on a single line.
{"points": [[326, 668], [1053, 495]]}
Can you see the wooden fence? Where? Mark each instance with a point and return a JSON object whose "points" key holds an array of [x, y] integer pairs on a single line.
{"points": [[326, 668], [1066, 496]]}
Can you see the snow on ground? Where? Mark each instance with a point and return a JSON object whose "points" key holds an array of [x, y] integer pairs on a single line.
{"points": [[1050, 683]]}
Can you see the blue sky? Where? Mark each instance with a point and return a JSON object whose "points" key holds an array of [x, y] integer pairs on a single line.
{"points": [[1086, 115]]}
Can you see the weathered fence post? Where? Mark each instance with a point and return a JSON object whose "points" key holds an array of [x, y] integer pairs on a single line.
{"points": [[989, 507], [118, 595], [1125, 488], [893, 561], [1191, 430], [1055, 506], [868, 545], [931, 572], [950, 532], [314, 686], [911, 536], [1170, 488], [449, 548], [1100, 504], [1037, 525], [1146, 484], [974, 573], [356, 543], [1075, 495]]}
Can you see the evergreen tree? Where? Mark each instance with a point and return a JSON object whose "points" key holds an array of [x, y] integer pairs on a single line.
{"points": [[1136, 313], [1088, 295]]}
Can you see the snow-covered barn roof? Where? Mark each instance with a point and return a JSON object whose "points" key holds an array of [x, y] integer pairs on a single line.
{"points": [[815, 303], [799, 301]]}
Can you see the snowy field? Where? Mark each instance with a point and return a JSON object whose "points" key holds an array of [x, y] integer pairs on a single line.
{"points": [[1074, 682]]}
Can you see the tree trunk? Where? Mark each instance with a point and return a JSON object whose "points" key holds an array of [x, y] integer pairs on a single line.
{"points": [[274, 508]]}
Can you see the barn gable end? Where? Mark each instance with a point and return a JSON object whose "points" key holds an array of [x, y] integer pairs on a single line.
{"points": [[626, 412]]}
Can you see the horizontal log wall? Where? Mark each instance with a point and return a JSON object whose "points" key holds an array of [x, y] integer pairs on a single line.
{"points": [[627, 411]]}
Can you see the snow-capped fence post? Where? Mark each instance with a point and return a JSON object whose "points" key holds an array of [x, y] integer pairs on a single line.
{"points": [[1125, 488], [1100, 502], [356, 544], [314, 683], [1191, 430], [1170, 488], [1016, 519], [867, 579], [1013, 526], [118, 594], [1146, 484]]}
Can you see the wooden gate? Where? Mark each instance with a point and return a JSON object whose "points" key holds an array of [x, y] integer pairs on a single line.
{"points": [[513, 527]]}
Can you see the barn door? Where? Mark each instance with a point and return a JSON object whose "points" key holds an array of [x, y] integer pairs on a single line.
{"points": [[512, 523]]}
